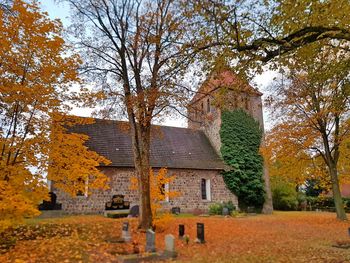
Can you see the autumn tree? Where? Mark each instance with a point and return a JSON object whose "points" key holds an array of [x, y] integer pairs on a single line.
{"points": [[134, 53], [314, 110], [256, 32], [36, 71]]}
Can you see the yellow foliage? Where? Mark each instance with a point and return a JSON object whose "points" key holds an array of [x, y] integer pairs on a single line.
{"points": [[158, 195], [36, 72], [20, 195], [73, 166]]}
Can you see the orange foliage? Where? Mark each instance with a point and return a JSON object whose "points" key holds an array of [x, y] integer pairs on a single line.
{"points": [[286, 153], [282, 237], [37, 69], [158, 194]]}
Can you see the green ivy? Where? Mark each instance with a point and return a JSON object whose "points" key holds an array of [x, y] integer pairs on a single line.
{"points": [[240, 141]]}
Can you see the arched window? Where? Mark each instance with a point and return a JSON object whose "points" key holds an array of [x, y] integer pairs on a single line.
{"points": [[202, 107], [208, 105]]}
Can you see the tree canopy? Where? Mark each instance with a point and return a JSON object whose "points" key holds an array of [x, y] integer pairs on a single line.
{"points": [[37, 69], [250, 33], [313, 108]]}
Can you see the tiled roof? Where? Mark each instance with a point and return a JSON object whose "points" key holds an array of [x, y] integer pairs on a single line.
{"points": [[171, 147], [225, 79]]}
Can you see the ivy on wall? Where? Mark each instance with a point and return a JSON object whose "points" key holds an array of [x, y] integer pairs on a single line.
{"points": [[240, 141]]}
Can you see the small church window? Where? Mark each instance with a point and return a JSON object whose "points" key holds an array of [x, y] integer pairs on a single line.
{"points": [[202, 107], [164, 191], [205, 189], [208, 105], [246, 103]]}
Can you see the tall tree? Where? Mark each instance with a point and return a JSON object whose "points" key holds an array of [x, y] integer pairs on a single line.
{"points": [[36, 71], [250, 34], [256, 32], [314, 108], [134, 48]]}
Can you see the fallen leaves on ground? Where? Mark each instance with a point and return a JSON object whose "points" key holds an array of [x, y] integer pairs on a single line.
{"points": [[282, 237]]}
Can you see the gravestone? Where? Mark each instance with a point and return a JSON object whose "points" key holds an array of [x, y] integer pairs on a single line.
{"points": [[125, 232], [225, 211], [200, 233], [150, 241], [170, 246], [134, 211], [181, 231], [175, 210]]}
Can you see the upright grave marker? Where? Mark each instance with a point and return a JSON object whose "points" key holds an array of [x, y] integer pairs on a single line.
{"points": [[150, 241], [125, 232], [170, 246], [200, 233], [181, 231]]}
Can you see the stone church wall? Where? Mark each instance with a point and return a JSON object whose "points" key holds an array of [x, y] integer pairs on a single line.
{"points": [[187, 182]]}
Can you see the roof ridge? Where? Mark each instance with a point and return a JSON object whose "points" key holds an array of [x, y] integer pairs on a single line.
{"points": [[127, 122]]}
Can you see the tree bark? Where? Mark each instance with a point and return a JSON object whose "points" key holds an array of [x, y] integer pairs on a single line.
{"points": [[338, 201], [141, 150], [268, 206]]}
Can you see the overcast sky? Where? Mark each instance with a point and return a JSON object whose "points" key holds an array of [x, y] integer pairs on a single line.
{"points": [[61, 11]]}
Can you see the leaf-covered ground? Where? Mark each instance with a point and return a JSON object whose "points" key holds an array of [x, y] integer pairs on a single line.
{"points": [[282, 237]]}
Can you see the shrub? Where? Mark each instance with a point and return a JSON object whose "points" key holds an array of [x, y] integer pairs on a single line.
{"points": [[230, 206], [217, 208], [326, 203], [284, 195]]}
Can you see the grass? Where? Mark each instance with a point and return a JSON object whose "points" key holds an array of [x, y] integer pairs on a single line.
{"points": [[281, 237]]}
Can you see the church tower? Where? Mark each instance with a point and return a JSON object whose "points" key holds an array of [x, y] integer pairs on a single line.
{"points": [[222, 91]]}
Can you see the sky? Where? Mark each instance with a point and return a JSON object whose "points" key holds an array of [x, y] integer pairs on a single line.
{"points": [[61, 11]]}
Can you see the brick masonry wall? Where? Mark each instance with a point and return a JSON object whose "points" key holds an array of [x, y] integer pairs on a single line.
{"points": [[210, 123], [187, 182]]}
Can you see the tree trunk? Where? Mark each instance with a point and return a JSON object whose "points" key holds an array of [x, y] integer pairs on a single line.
{"points": [[268, 206], [338, 201], [142, 167], [145, 219]]}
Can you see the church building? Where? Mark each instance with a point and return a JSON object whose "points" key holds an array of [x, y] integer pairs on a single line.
{"points": [[191, 154]]}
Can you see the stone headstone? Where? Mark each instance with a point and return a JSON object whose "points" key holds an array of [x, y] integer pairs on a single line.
{"points": [[150, 241], [181, 231], [170, 246], [125, 232], [225, 211], [200, 233], [134, 211], [175, 210]]}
